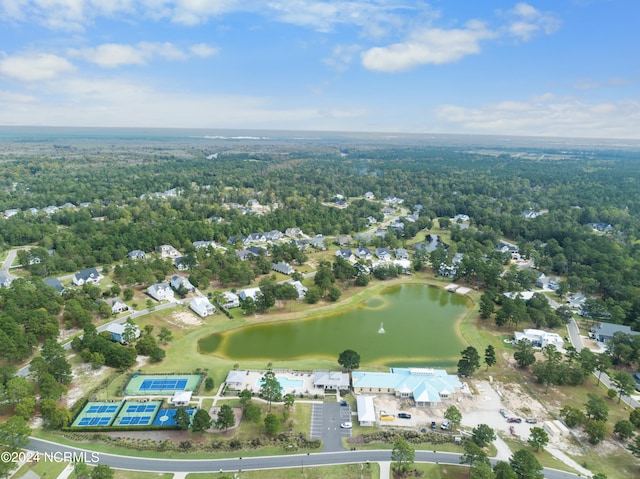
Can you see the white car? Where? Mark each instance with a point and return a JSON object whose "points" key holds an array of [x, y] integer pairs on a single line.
{"points": [[346, 425]]}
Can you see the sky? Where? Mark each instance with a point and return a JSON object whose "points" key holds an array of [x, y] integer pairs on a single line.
{"points": [[568, 68]]}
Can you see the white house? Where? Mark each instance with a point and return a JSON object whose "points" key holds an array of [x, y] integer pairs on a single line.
{"points": [[366, 410], [300, 288], [118, 331], [137, 254], [181, 398], [231, 300], [117, 305], [89, 275], [282, 267], [539, 338], [161, 292], [202, 307], [248, 293], [168, 251]]}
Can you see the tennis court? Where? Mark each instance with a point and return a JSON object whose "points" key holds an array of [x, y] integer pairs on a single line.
{"points": [[153, 385], [166, 417], [97, 414], [135, 413]]}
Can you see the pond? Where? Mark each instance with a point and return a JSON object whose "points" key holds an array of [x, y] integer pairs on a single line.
{"points": [[403, 326]]}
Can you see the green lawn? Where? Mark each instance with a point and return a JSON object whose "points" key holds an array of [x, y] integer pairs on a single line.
{"points": [[349, 471], [45, 469]]}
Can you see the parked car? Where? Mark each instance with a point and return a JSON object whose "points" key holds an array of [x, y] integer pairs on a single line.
{"points": [[343, 403], [444, 426], [532, 420], [512, 430], [504, 413], [346, 425], [433, 425], [404, 415], [514, 419]]}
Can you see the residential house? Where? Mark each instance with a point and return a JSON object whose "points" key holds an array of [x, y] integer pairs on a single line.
{"points": [[231, 300], [89, 275], [50, 209], [161, 292], [202, 307], [301, 244], [168, 251], [204, 244], [181, 263], [331, 380], [55, 284], [371, 220], [346, 254], [539, 338], [215, 219], [5, 280], [507, 248], [602, 227], [293, 233], [300, 288], [9, 213], [604, 332], [450, 271], [119, 331], [576, 300], [460, 218], [273, 235], [258, 251], [545, 282], [255, 238], [234, 240], [344, 240], [243, 254], [383, 254], [363, 253], [282, 267], [178, 281], [402, 253], [393, 200], [388, 211], [84, 204], [117, 305], [369, 195], [137, 254], [248, 293], [427, 387], [532, 214], [380, 233], [318, 242], [33, 211], [412, 218]]}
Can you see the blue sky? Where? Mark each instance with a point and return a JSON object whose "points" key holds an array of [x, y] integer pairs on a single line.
{"points": [[541, 67]]}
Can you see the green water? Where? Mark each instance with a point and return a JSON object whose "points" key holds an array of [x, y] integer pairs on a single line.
{"points": [[419, 325]]}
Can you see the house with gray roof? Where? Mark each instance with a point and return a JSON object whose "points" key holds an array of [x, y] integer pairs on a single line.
{"points": [[604, 331], [300, 288], [363, 253], [161, 292], [117, 305], [249, 293], [89, 275], [330, 380], [346, 254], [402, 253], [202, 307], [137, 254], [181, 263], [231, 300], [383, 254], [119, 331], [178, 281], [55, 284], [5, 281], [318, 242], [282, 267]]}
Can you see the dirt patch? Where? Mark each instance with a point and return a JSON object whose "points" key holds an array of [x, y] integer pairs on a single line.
{"points": [[182, 319], [84, 379]]}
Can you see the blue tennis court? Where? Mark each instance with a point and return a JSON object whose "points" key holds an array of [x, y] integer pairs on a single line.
{"points": [[166, 417], [101, 409], [94, 421], [134, 420], [163, 385], [142, 408]]}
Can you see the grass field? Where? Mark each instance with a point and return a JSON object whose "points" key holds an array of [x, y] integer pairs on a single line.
{"points": [[349, 471]]}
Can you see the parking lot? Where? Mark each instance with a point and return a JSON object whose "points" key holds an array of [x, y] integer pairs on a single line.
{"points": [[326, 419]]}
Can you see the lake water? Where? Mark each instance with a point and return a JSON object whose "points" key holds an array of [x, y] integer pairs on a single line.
{"points": [[419, 323]]}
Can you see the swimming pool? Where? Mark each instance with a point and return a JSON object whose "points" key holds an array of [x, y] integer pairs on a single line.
{"points": [[287, 383]]}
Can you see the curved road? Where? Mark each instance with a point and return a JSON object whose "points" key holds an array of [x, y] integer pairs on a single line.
{"points": [[249, 463]]}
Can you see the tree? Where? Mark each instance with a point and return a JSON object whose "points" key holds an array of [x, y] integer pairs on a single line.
{"points": [[454, 416], [270, 388], [14, 433], [572, 416], [489, 356], [334, 293], [473, 454], [634, 417], [624, 383], [525, 465], [538, 438], [130, 330], [524, 354], [226, 418], [603, 364], [252, 412], [165, 335], [624, 429], [596, 408], [102, 471], [271, 424], [55, 356], [288, 400], [503, 470], [469, 362], [482, 470], [402, 455], [182, 418], [314, 293], [245, 397], [596, 431], [201, 421], [634, 447], [349, 359], [208, 383], [81, 470], [482, 435]]}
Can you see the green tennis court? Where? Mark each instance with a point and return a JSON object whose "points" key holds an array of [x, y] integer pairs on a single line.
{"points": [[97, 414], [156, 385], [137, 413]]}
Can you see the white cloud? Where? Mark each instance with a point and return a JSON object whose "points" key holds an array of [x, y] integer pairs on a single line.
{"points": [[525, 21], [428, 46], [13, 97], [34, 66], [342, 56], [546, 115], [113, 55]]}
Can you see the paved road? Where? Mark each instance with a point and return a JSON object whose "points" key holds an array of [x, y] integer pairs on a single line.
{"points": [[252, 463], [6, 265]]}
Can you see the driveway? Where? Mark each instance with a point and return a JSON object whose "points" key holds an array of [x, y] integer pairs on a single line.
{"points": [[325, 425]]}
